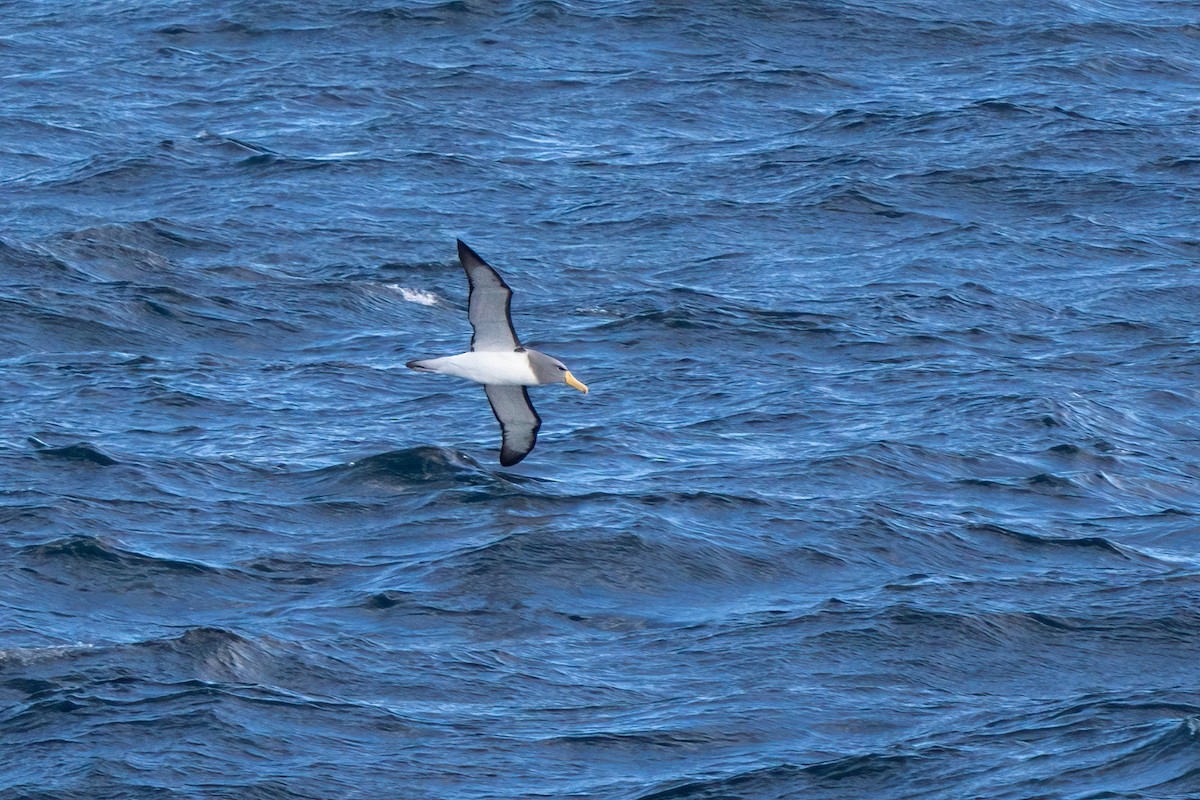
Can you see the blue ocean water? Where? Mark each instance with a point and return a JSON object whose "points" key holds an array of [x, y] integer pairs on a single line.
{"points": [[887, 485]]}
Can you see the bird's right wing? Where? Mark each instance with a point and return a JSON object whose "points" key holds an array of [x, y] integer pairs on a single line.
{"points": [[488, 305], [519, 423]]}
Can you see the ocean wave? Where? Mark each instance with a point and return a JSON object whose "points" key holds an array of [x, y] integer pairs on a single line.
{"points": [[885, 486]]}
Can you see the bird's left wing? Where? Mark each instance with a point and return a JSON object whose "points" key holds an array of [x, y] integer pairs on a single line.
{"points": [[488, 305], [519, 423]]}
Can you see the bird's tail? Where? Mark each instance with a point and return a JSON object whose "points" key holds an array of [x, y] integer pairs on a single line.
{"points": [[421, 366]]}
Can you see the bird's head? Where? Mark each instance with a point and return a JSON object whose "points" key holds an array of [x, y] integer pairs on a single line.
{"points": [[551, 370]]}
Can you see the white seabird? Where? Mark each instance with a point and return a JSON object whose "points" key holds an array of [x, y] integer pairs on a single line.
{"points": [[498, 361]]}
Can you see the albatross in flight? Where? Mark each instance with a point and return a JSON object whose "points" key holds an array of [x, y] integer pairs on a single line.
{"points": [[498, 361]]}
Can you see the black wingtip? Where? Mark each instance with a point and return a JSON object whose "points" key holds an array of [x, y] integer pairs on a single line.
{"points": [[465, 253], [508, 459]]}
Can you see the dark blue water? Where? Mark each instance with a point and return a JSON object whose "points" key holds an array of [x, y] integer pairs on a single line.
{"points": [[887, 486]]}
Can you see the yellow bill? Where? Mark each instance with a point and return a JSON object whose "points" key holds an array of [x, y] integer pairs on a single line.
{"points": [[573, 383]]}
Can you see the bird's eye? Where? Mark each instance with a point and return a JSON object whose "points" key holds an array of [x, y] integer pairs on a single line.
{"points": [[564, 369]]}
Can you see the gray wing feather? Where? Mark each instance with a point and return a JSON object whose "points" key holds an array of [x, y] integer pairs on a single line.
{"points": [[488, 304], [519, 423]]}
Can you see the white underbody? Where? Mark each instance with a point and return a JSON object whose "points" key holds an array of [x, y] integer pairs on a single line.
{"points": [[495, 368]]}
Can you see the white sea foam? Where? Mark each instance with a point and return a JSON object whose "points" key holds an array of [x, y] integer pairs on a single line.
{"points": [[415, 295]]}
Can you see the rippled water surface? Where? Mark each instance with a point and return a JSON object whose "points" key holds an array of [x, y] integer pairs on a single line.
{"points": [[886, 487]]}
